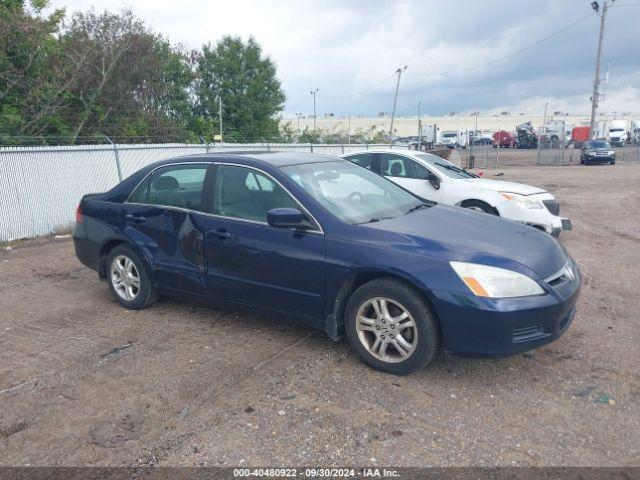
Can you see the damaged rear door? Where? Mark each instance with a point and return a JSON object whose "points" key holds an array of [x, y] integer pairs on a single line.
{"points": [[163, 217]]}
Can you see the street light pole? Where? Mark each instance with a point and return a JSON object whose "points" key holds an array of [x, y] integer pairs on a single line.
{"points": [[596, 75], [395, 100], [314, 92], [475, 136]]}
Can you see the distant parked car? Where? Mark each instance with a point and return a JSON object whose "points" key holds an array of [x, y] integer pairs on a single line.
{"points": [[402, 141], [483, 141], [333, 246], [597, 151], [433, 178]]}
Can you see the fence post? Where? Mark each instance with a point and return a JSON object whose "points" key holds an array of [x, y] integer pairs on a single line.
{"points": [[117, 155], [206, 144], [311, 146]]}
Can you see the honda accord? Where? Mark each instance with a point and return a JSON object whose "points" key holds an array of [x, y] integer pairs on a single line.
{"points": [[331, 245]]}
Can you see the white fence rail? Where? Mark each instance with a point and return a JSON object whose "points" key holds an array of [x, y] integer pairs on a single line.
{"points": [[40, 187]]}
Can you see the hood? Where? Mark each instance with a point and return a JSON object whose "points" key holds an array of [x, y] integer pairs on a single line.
{"points": [[501, 186], [453, 233]]}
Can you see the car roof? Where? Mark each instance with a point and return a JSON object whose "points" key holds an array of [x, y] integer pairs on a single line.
{"points": [[275, 159], [409, 153]]}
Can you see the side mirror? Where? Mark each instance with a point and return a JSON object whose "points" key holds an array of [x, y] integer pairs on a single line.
{"points": [[434, 180], [285, 217]]}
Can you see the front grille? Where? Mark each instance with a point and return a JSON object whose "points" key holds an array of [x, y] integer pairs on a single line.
{"points": [[553, 206], [528, 333]]}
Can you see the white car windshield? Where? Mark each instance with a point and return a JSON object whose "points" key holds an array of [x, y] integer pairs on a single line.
{"points": [[448, 168], [351, 192]]}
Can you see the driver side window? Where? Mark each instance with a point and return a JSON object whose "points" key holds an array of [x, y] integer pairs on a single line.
{"points": [[247, 194], [399, 166]]}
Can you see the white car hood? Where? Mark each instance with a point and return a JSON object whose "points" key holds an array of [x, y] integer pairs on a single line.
{"points": [[501, 186]]}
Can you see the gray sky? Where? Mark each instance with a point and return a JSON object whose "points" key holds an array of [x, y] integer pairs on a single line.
{"points": [[462, 55]]}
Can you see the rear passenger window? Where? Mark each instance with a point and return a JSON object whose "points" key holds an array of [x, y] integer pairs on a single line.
{"points": [[173, 186], [399, 166], [362, 159]]}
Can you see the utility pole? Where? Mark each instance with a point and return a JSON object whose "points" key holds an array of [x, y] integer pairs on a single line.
{"points": [[596, 75], [419, 127], [220, 115], [314, 92], [395, 100], [544, 120]]}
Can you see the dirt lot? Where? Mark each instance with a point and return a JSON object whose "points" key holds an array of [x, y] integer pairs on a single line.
{"points": [[197, 386]]}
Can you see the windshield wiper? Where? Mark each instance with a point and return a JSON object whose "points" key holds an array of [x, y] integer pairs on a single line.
{"points": [[418, 207]]}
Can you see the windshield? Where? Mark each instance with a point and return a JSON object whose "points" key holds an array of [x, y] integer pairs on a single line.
{"points": [[616, 129], [352, 193], [449, 135], [598, 145], [444, 166]]}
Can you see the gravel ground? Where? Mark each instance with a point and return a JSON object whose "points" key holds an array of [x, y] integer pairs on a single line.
{"points": [[196, 386]]}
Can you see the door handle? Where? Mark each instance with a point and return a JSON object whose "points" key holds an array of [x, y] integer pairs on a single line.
{"points": [[220, 234], [135, 218]]}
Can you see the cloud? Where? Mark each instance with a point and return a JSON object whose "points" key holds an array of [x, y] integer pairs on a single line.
{"points": [[460, 54]]}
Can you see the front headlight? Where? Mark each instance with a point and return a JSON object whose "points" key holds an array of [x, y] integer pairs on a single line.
{"points": [[523, 200], [611, 152], [493, 282]]}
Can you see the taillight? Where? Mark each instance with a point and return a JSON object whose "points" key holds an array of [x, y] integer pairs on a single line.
{"points": [[79, 216]]}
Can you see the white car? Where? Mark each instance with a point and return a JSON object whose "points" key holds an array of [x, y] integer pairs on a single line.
{"points": [[433, 178]]}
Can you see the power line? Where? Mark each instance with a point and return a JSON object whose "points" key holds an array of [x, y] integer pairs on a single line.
{"points": [[511, 54]]}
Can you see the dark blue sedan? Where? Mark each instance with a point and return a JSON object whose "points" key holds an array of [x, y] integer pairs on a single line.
{"points": [[334, 246]]}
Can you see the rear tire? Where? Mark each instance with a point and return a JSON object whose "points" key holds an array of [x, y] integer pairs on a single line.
{"points": [[391, 327], [129, 279]]}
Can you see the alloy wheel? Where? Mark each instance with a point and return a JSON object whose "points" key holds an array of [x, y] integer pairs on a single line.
{"points": [[386, 329], [125, 277]]}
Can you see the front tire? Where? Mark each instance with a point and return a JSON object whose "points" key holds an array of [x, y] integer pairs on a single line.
{"points": [[129, 280], [391, 327]]}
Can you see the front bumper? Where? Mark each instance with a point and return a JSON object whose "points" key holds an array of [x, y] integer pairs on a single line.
{"points": [[481, 327], [541, 218], [599, 159]]}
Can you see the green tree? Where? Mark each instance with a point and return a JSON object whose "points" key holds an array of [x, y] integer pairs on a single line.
{"points": [[32, 82], [237, 73]]}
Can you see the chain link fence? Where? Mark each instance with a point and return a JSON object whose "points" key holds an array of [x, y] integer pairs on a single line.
{"points": [[40, 187]]}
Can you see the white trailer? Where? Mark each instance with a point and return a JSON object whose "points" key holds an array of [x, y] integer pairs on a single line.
{"points": [[455, 138], [554, 130], [601, 130], [431, 134]]}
